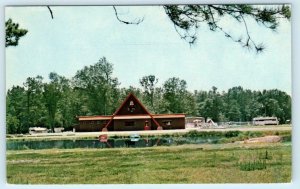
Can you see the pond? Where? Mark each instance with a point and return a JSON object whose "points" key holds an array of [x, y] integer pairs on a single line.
{"points": [[111, 143]]}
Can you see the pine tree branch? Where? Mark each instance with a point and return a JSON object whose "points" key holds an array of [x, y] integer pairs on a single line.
{"points": [[127, 22], [51, 13], [257, 48]]}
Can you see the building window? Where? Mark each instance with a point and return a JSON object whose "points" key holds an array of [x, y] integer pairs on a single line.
{"points": [[167, 122], [129, 123], [131, 106]]}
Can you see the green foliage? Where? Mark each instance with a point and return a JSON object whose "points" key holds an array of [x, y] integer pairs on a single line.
{"points": [[287, 138], [187, 19], [12, 124], [242, 105], [15, 111], [253, 165], [94, 91], [251, 134], [193, 133], [99, 87], [13, 33], [176, 96], [148, 83], [52, 94], [229, 134], [25, 104]]}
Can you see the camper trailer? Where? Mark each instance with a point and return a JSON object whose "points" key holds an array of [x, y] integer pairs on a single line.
{"points": [[265, 121]]}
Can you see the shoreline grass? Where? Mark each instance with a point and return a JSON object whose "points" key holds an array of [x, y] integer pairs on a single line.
{"points": [[233, 134], [206, 163]]}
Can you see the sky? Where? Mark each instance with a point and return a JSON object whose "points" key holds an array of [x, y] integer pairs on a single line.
{"points": [[79, 36]]}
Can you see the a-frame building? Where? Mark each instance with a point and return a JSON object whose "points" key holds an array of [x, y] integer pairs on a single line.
{"points": [[131, 116]]}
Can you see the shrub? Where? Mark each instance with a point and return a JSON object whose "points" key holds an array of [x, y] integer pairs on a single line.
{"points": [[192, 134], [229, 134], [287, 138], [252, 134], [114, 137], [166, 135]]}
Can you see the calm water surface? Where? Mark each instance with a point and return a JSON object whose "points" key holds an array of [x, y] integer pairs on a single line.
{"points": [[111, 143]]}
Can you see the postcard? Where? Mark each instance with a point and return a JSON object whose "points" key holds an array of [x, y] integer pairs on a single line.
{"points": [[163, 94]]}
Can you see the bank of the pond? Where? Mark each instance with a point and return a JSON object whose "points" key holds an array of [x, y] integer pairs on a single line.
{"points": [[92, 135], [120, 141]]}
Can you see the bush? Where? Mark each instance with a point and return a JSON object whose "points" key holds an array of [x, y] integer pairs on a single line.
{"points": [[229, 134], [192, 134], [114, 137], [166, 135], [223, 141], [287, 138], [255, 134]]}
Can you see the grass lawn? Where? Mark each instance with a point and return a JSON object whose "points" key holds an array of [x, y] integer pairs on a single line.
{"points": [[214, 163]]}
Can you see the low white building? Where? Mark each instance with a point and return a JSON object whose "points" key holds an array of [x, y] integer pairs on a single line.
{"points": [[37, 130], [58, 129]]}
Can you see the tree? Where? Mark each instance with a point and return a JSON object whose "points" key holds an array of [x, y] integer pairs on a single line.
{"points": [[174, 92], [97, 83], [276, 103], [205, 108], [34, 106], [255, 109], [52, 94], [234, 113], [212, 105], [148, 83], [189, 104], [70, 105], [236, 101], [160, 104], [188, 18], [15, 110], [13, 33], [12, 124]]}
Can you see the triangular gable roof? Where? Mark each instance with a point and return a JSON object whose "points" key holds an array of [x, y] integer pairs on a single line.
{"points": [[126, 101], [139, 108]]}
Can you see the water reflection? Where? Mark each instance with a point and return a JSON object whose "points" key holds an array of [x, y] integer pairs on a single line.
{"points": [[111, 143]]}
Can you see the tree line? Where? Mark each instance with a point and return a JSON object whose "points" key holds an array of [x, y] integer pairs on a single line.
{"points": [[94, 91]]}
